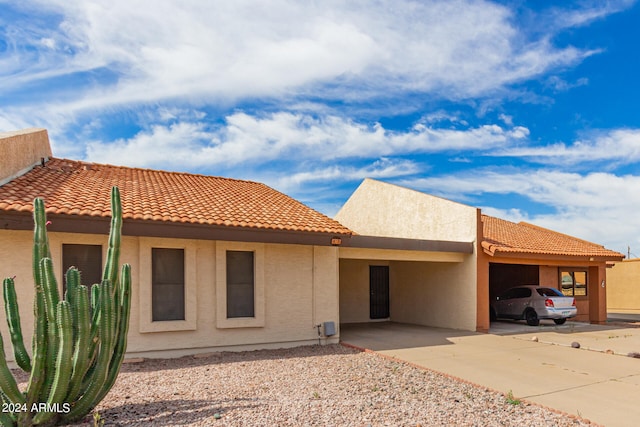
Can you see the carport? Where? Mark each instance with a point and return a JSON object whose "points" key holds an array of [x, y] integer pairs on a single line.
{"points": [[409, 281], [412, 259], [522, 253]]}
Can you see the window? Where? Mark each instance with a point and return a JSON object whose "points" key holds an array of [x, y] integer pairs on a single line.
{"points": [[573, 282], [86, 258], [167, 284], [240, 284]]}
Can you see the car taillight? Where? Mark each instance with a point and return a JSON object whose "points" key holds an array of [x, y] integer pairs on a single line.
{"points": [[548, 302], [573, 304]]}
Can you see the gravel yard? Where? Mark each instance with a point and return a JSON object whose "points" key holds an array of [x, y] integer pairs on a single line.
{"points": [[316, 385]]}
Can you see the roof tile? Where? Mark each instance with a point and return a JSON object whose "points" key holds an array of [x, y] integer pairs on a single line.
{"points": [[505, 236], [79, 188]]}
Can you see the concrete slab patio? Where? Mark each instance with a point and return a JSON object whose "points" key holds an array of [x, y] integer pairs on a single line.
{"points": [[599, 386]]}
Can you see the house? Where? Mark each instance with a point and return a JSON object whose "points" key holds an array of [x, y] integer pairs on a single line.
{"points": [[217, 263], [226, 264], [623, 287]]}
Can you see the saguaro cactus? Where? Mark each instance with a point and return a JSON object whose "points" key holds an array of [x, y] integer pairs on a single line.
{"points": [[79, 340]]}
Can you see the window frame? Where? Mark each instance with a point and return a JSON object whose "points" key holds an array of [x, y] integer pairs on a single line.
{"points": [[572, 271], [236, 286], [147, 324], [156, 283], [258, 319]]}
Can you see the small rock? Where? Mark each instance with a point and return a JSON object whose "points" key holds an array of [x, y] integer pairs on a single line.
{"points": [[217, 416], [575, 344], [534, 339], [609, 351]]}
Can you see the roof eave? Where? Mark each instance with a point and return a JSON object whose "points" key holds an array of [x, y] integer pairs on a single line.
{"points": [[146, 228], [496, 252]]}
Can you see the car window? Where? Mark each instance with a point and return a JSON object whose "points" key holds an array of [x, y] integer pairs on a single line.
{"points": [[549, 292], [522, 293], [508, 294]]}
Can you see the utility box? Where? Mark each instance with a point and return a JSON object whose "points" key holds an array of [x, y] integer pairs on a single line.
{"points": [[329, 329]]}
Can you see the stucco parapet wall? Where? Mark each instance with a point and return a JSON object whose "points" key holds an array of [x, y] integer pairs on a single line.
{"points": [[377, 242], [22, 150]]}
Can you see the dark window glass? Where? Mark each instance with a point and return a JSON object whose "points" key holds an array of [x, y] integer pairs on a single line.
{"points": [[240, 284], [522, 293], [167, 284], [87, 259]]}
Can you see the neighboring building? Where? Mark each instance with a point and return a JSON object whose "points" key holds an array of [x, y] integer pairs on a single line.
{"points": [[524, 253], [455, 291], [221, 263], [623, 287]]}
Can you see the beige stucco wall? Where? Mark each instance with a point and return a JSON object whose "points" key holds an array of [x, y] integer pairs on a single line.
{"points": [[434, 294], [21, 150], [380, 209], [623, 287], [299, 290]]}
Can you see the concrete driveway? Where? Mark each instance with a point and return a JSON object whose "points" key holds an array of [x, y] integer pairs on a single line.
{"points": [[537, 364]]}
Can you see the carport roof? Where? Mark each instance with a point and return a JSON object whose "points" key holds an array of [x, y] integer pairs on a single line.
{"points": [[505, 237]]}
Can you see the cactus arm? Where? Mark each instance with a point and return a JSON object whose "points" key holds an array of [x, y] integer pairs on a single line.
{"points": [[110, 272], [99, 375], [40, 239], [72, 280], [8, 384], [95, 321], [51, 299], [63, 362], [13, 321], [80, 354], [7, 419], [123, 330], [37, 377]]}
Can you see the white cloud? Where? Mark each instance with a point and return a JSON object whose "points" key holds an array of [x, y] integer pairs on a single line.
{"points": [[381, 168], [286, 136], [621, 146], [198, 50], [599, 207]]}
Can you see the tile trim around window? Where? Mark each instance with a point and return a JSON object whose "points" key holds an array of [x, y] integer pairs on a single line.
{"points": [[221, 285], [145, 278]]}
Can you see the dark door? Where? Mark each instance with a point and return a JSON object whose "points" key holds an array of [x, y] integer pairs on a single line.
{"points": [[378, 291]]}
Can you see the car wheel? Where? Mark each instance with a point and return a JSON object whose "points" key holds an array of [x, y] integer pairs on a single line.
{"points": [[531, 317], [560, 321], [492, 314]]}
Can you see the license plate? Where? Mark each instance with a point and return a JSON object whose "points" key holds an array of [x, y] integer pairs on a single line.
{"points": [[566, 313]]}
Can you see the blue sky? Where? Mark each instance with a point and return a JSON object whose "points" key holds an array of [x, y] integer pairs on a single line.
{"points": [[526, 109]]}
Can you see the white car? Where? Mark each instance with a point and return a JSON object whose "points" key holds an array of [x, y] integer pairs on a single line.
{"points": [[532, 303]]}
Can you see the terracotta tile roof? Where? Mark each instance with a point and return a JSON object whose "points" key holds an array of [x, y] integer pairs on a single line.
{"points": [[505, 236], [79, 188]]}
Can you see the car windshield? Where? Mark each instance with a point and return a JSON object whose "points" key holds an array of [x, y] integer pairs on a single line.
{"points": [[549, 292]]}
